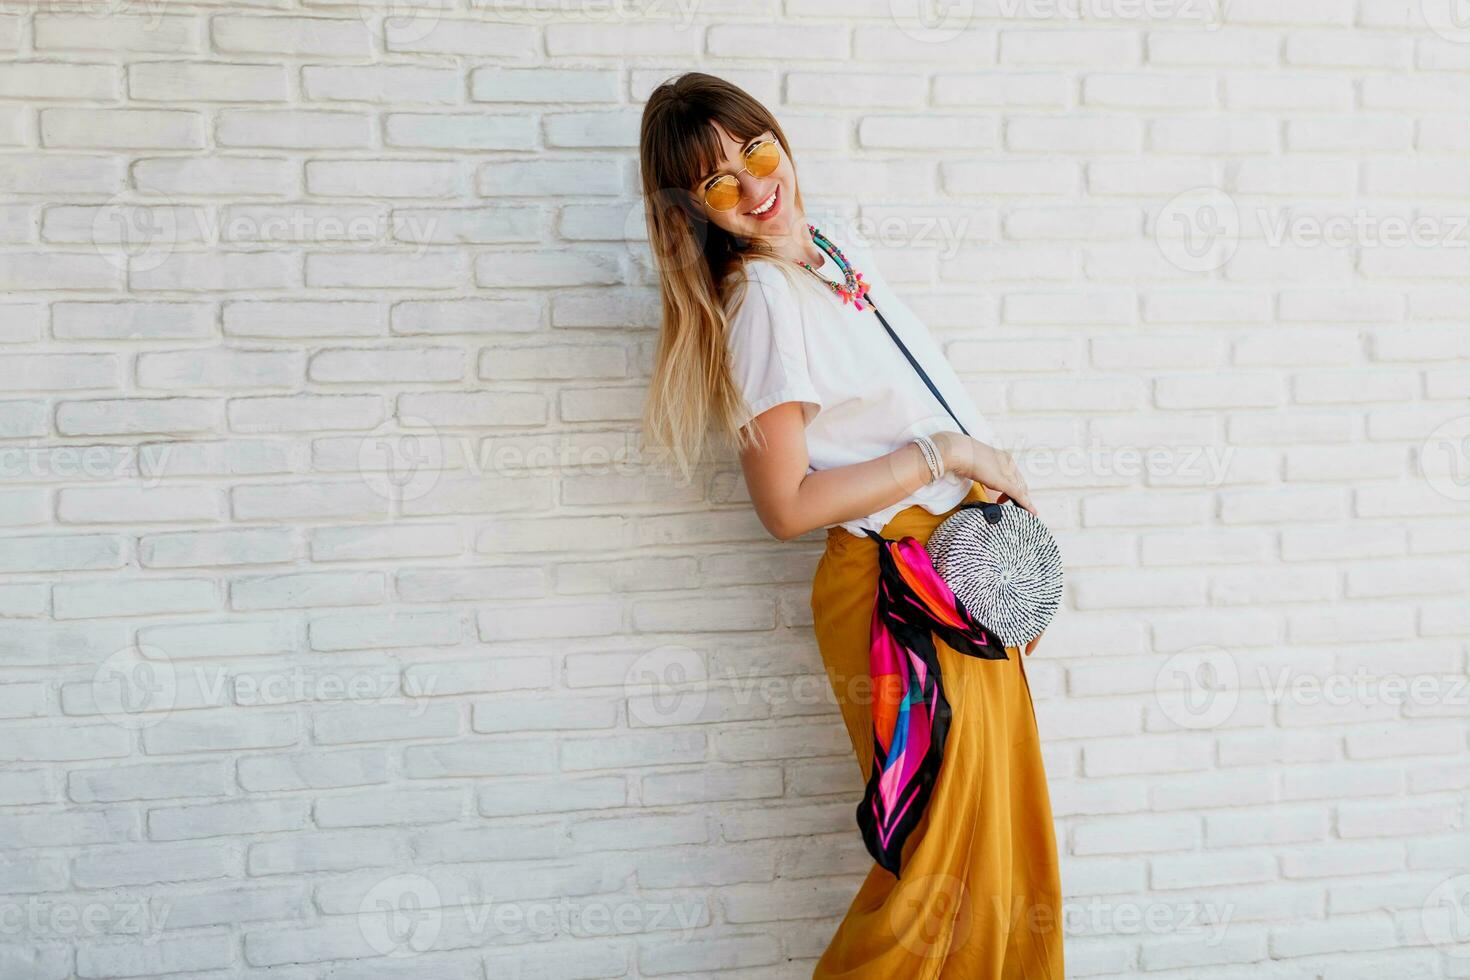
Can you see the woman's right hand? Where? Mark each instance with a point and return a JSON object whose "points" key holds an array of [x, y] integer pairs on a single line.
{"points": [[986, 465]]}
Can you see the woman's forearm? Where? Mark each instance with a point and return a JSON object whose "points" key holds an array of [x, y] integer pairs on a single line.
{"points": [[847, 493]]}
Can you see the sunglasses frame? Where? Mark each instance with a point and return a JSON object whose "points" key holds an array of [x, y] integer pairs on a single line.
{"points": [[746, 155]]}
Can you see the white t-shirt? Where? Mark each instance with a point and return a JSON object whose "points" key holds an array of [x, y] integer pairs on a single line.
{"points": [[861, 397]]}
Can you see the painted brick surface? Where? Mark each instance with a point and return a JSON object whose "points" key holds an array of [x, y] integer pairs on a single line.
{"points": [[346, 632]]}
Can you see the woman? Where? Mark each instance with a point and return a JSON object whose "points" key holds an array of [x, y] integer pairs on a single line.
{"points": [[768, 338]]}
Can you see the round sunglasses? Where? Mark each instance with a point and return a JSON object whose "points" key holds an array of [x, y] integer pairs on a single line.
{"points": [[761, 160]]}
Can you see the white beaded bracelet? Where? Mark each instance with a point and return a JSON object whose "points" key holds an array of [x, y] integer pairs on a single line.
{"points": [[931, 456], [938, 457]]}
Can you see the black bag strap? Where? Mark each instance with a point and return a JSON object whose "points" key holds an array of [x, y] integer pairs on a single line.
{"points": [[916, 366]]}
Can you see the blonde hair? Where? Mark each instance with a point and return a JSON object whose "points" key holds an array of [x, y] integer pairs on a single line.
{"points": [[692, 391]]}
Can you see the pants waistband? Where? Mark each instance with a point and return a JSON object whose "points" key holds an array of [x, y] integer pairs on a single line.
{"points": [[912, 521]]}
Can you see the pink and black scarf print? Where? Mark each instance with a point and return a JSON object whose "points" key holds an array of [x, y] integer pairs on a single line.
{"points": [[910, 714]]}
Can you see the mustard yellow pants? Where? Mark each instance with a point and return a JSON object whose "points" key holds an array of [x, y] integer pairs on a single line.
{"points": [[980, 896]]}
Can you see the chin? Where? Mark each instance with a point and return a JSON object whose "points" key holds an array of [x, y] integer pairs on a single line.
{"points": [[778, 225]]}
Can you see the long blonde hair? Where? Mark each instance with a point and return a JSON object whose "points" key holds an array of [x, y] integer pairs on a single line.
{"points": [[692, 391]]}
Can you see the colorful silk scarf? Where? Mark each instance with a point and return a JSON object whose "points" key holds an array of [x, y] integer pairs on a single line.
{"points": [[910, 713]]}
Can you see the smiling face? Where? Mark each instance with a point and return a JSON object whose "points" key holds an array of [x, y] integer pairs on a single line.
{"points": [[767, 207]]}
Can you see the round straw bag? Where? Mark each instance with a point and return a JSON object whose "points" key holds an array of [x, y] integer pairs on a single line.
{"points": [[1003, 564]]}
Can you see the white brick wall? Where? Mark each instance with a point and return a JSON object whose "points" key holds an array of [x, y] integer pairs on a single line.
{"points": [[332, 580]]}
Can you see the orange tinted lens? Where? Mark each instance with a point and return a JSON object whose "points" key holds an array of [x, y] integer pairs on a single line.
{"points": [[763, 158], [723, 194]]}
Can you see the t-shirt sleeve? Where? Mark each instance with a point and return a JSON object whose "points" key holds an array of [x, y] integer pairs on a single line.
{"points": [[767, 346]]}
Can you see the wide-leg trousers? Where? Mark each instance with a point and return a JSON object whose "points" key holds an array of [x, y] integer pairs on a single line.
{"points": [[980, 894]]}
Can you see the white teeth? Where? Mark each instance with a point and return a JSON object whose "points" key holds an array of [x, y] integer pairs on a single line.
{"points": [[766, 205]]}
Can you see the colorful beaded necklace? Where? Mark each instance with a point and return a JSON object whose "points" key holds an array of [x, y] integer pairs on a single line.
{"points": [[853, 288]]}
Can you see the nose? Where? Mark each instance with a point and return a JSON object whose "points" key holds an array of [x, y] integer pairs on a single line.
{"points": [[751, 191]]}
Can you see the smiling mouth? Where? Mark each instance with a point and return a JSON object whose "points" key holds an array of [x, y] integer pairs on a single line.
{"points": [[767, 208]]}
